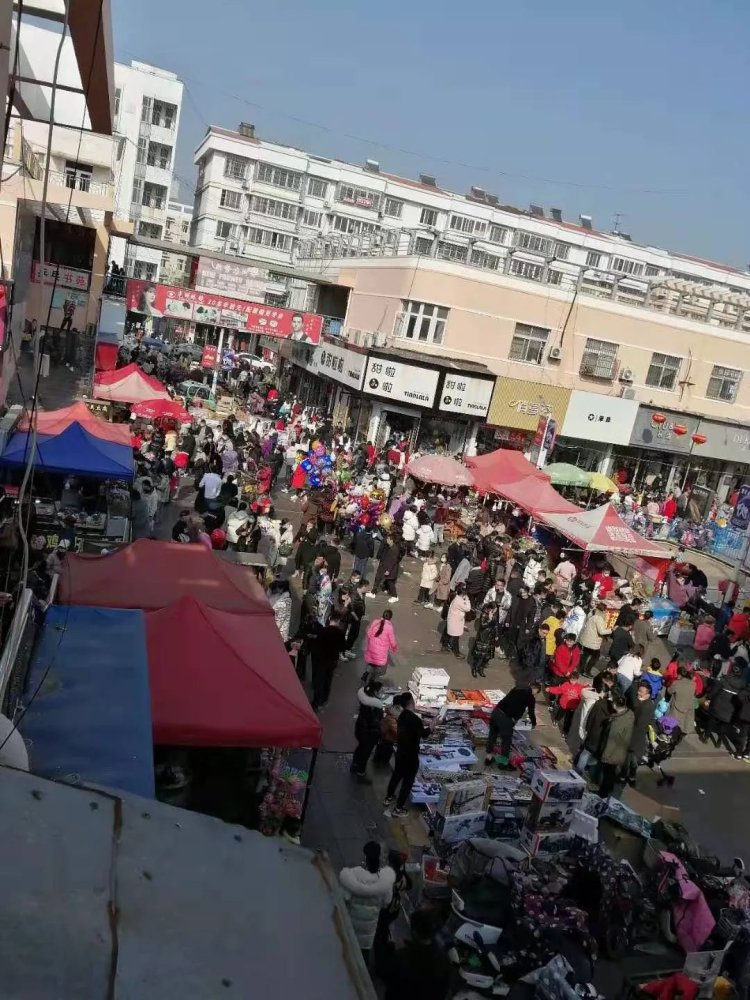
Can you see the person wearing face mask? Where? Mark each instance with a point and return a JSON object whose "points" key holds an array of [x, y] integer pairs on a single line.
{"points": [[443, 589]]}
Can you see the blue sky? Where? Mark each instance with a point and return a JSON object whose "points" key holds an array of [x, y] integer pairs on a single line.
{"points": [[590, 106]]}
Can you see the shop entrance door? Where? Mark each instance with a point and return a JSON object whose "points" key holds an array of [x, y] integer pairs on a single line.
{"points": [[398, 425]]}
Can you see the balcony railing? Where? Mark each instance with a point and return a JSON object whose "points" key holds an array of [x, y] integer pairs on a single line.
{"points": [[33, 164]]}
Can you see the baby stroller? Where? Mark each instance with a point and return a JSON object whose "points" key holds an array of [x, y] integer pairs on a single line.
{"points": [[664, 736]]}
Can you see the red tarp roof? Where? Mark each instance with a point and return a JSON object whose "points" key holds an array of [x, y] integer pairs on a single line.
{"points": [[502, 466], [219, 679], [603, 530], [56, 421], [128, 385], [150, 575], [536, 495], [440, 469]]}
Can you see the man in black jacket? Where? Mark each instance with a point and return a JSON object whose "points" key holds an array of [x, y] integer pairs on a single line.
{"points": [[325, 648], [364, 549], [521, 617], [356, 614], [504, 717], [532, 654], [628, 614], [410, 731], [622, 642]]}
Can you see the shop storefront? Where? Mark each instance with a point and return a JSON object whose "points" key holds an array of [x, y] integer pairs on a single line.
{"points": [[329, 377], [595, 425], [515, 410]]}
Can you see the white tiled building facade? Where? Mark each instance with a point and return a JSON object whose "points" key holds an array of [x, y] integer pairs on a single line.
{"points": [[175, 267], [147, 119]]}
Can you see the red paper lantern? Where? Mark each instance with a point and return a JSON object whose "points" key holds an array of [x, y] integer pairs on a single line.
{"points": [[679, 429], [658, 418], [699, 438]]}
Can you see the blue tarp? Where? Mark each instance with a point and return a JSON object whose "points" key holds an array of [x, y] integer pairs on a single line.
{"points": [[92, 715], [75, 451]]}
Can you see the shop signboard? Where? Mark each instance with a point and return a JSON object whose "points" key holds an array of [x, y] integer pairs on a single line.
{"points": [[401, 382], [741, 517], [338, 363], [190, 305], [209, 355], [466, 394], [726, 442], [67, 277], [595, 417], [228, 278], [664, 431], [519, 404]]}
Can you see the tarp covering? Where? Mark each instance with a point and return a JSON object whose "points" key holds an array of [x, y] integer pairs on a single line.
{"points": [[128, 385], [501, 467], [149, 575], [56, 421], [603, 530], [91, 717], [535, 495], [440, 469], [219, 679], [75, 450]]}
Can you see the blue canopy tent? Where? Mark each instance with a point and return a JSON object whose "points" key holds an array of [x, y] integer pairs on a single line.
{"points": [[75, 450], [91, 715]]}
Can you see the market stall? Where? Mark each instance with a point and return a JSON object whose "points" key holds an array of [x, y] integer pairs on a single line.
{"points": [[501, 467], [129, 384], [52, 422], [442, 470]]}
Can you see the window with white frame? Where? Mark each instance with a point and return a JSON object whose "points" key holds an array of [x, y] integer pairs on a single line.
{"points": [[528, 344], [279, 177], [554, 277], [526, 269], [423, 322], [593, 258], [652, 271], [451, 251], [159, 155], [154, 195], [489, 261], [269, 238], [429, 217], [362, 197], [164, 114], [226, 230], [142, 151], [317, 187], [423, 246], [498, 234], [343, 224], [624, 265], [724, 383], [311, 219], [663, 371], [151, 230], [464, 224], [562, 251], [235, 167], [393, 207], [231, 200], [144, 269], [599, 359], [278, 209], [533, 242], [137, 191]]}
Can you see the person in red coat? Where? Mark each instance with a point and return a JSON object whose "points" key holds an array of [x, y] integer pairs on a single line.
{"points": [[299, 479], [670, 507], [566, 659], [569, 694]]}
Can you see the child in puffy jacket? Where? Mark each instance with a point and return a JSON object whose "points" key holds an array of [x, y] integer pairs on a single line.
{"points": [[569, 695], [567, 658]]}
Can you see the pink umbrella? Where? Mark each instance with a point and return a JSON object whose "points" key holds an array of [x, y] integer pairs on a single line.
{"points": [[153, 409], [440, 469]]}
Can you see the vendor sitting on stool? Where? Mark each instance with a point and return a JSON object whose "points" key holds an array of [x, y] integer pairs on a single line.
{"points": [[504, 717]]}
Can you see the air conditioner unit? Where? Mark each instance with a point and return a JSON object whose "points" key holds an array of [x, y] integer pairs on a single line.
{"points": [[555, 353], [380, 339], [626, 375], [627, 393]]}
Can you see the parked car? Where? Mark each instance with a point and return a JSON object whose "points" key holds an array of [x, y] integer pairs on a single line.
{"points": [[197, 394], [254, 361], [192, 351]]}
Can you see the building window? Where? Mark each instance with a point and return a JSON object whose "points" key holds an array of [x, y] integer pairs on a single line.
{"points": [[137, 191], [489, 261], [140, 156], [226, 230], [154, 195], [145, 270], [146, 107], [451, 251], [625, 266], [599, 359], [562, 251], [78, 175], [429, 217], [498, 234], [362, 197], [231, 200], [235, 167], [652, 271], [663, 371], [278, 209], [423, 322], [528, 344], [463, 224], [554, 277], [526, 269], [311, 219], [343, 224], [268, 238], [724, 383], [278, 299], [288, 179], [593, 258], [159, 155], [533, 242], [317, 187], [393, 207], [151, 230], [118, 96], [423, 246], [164, 114]]}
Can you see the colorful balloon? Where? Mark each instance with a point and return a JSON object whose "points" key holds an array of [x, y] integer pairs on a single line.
{"points": [[307, 465], [320, 449], [315, 480]]}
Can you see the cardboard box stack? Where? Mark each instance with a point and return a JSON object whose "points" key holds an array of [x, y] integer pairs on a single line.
{"points": [[555, 797], [429, 685]]}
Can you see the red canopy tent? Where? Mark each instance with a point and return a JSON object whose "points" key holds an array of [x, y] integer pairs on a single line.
{"points": [[151, 575], [219, 679], [440, 469], [602, 530], [56, 421], [502, 466], [128, 385], [536, 495]]}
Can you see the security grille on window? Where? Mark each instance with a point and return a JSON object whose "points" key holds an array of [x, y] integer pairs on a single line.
{"points": [[593, 258], [278, 209], [562, 251], [663, 371], [154, 195], [311, 219], [528, 344], [449, 251], [554, 277], [463, 224], [625, 266], [231, 200], [159, 155], [526, 269], [144, 269], [424, 322], [317, 187], [428, 217], [534, 242], [363, 197], [279, 178], [268, 238], [226, 230], [163, 114], [498, 234], [599, 359], [724, 383], [151, 230], [489, 261], [423, 246], [393, 207], [652, 271], [235, 167]]}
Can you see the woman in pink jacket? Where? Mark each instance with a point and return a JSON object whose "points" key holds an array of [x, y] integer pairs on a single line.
{"points": [[381, 641]]}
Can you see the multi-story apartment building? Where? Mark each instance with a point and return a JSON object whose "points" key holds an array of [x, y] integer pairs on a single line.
{"points": [[175, 267], [147, 118]]}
